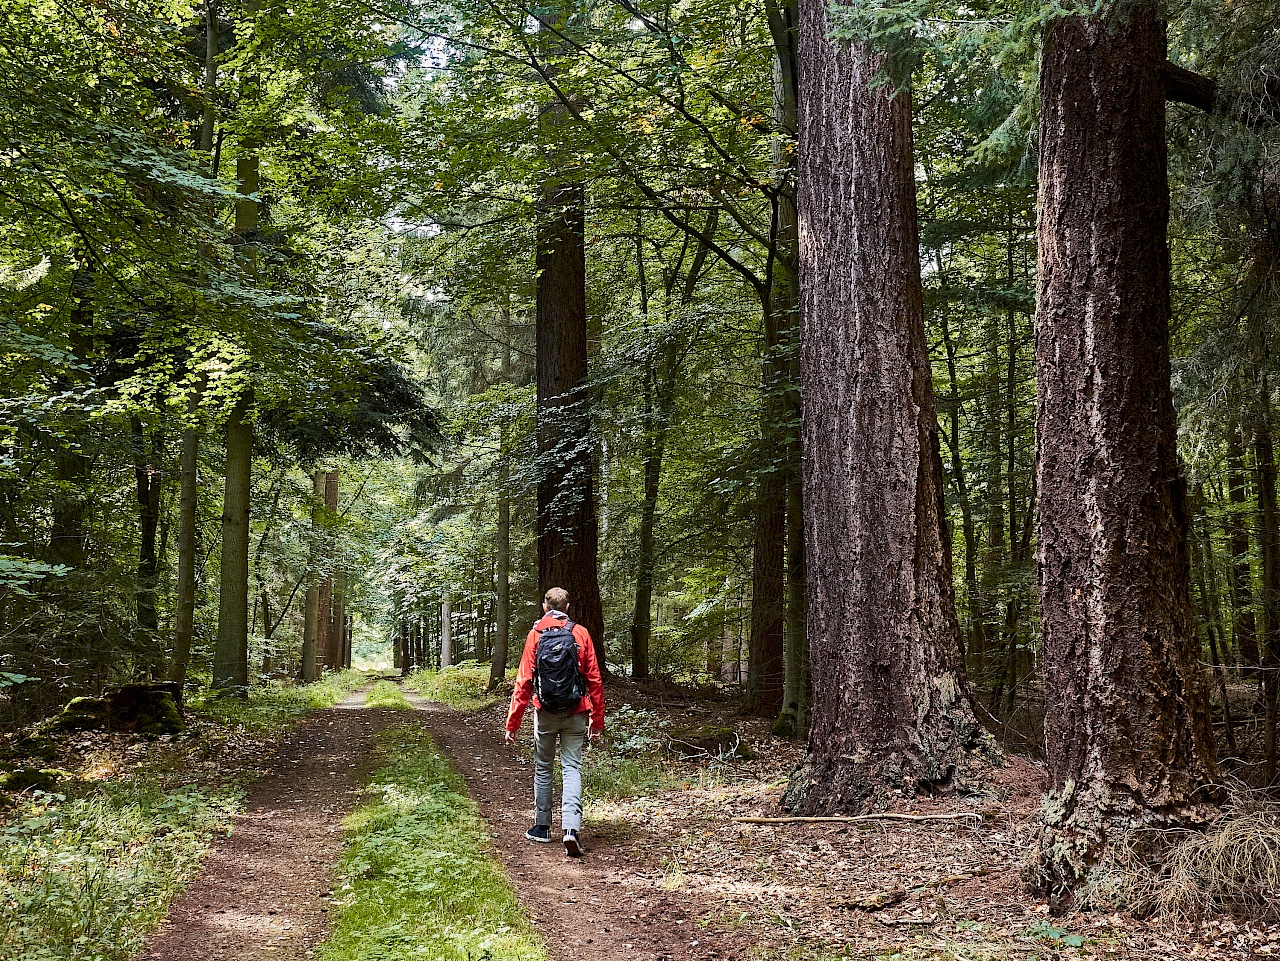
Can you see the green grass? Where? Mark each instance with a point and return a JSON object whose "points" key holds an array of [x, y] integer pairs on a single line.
{"points": [[460, 686], [388, 695], [87, 878], [417, 879], [268, 709], [89, 868], [618, 777]]}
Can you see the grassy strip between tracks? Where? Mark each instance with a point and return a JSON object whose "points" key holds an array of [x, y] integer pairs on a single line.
{"points": [[418, 879]]}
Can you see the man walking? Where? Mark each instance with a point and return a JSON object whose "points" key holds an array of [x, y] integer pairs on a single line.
{"points": [[560, 674]]}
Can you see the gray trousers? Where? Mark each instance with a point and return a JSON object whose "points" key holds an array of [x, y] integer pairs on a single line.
{"points": [[572, 731]]}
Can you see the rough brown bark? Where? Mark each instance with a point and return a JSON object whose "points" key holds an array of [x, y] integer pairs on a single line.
{"points": [[1127, 739], [891, 709], [567, 526]]}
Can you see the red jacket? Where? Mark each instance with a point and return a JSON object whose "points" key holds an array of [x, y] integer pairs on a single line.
{"points": [[592, 701]]}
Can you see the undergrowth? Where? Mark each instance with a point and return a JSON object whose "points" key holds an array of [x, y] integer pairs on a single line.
{"points": [[387, 695], [267, 709], [417, 879], [88, 870], [461, 686], [1233, 866], [89, 877]]}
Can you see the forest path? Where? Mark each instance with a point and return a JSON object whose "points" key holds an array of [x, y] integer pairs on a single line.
{"points": [[262, 893], [586, 909]]}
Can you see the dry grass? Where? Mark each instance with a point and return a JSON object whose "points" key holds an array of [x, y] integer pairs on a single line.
{"points": [[1232, 867]]}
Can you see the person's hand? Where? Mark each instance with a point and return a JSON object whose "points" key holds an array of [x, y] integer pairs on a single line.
{"points": [[592, 733], [510, 737]]}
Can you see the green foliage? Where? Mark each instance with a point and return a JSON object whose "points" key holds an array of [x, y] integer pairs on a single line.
{"points": [[418, 878], [87, 878], [384, 694], [461, 686], [267, 709]]}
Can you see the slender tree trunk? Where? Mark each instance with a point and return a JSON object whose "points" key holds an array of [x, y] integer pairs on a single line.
{"points": [[1243, 624], [446, 632], [338, 622], [763, 694], [311, 612], [502, 603], [188, 503], [1128, 743], [641, 618], [147, 481], [997, 404], [324, 593], [71, 464], [185, 612], [794, 717], [891, 709], [785, 302], [231, 656], [976, 643], [1206, 578], [1269, 540]]}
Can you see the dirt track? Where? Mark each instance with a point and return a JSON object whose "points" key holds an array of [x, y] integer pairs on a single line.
{"points": [[262, 893]]}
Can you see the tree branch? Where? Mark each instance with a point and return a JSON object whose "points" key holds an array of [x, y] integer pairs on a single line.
{"points": [[1186, 86]]}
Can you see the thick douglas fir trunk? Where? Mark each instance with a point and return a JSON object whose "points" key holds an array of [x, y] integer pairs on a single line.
{"points": [[1127, 739], [891, 710], [567, 526]]}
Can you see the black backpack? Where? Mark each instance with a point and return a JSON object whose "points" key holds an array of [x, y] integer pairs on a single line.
{"points": [[557, 679]]}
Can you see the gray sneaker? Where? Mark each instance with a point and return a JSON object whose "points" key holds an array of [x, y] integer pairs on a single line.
{"points": [[571, 846]]}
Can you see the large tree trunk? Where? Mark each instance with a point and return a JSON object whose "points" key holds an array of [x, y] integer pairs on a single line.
{"points": [[1128, 745], [567, 528], [891, 708], [231, 656]]}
